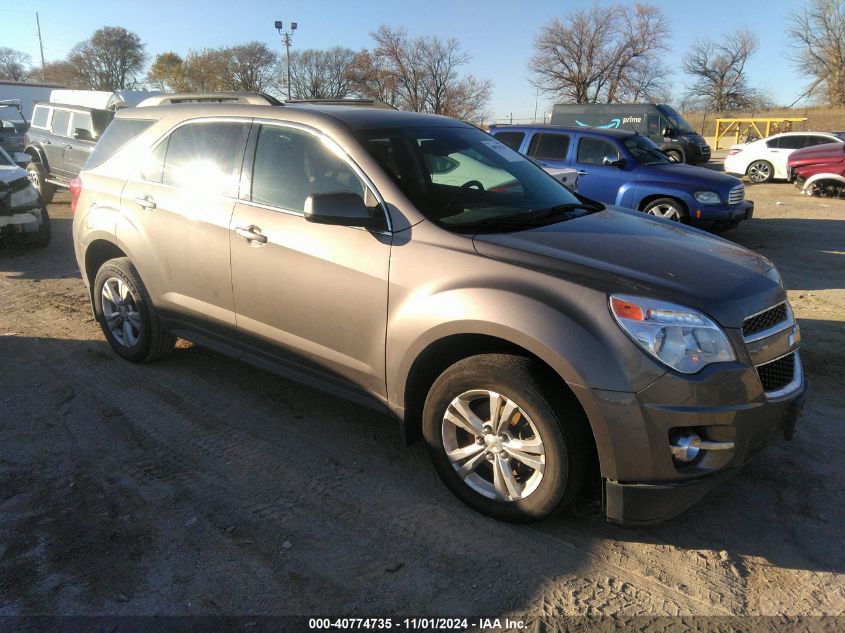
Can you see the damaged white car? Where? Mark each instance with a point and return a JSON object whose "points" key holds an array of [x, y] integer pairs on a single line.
{"points": [[22, 213]]}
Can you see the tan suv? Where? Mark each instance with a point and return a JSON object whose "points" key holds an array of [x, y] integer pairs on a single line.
{"points": [[411, 262]]}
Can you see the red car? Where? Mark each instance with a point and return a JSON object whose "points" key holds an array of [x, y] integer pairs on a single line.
{"points": [[820, 169]]}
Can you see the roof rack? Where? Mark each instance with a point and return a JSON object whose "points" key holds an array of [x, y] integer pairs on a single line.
{"points": [[367, 103], [252, 98]]}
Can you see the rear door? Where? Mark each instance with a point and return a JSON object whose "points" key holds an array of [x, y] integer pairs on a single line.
{"points": [[316, 293], [176, 214]]}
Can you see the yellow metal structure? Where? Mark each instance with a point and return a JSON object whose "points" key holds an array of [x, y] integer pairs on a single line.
{"points": [[743, 127]]}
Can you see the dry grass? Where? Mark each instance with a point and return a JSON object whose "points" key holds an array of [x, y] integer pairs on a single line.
{"points": [[819, 118]]}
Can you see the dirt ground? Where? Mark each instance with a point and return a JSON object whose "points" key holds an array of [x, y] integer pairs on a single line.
{"points": [[199, 485]]}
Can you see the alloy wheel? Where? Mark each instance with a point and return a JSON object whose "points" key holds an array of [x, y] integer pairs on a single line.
{"points": [[759, 171], [493, 445], [665, 210], [121, 312]]}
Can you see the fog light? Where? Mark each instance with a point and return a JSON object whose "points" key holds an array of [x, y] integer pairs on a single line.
{"points": [[685, 448]]}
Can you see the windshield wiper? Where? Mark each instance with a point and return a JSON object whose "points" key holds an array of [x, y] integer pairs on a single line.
{"points": [[559, 213]]}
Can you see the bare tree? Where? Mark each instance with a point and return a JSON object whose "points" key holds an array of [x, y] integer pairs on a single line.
{"points": [[250, 66], [718, 70], [110, 59], [421, 74], [322, 74], [604, 54], [818, 39], [14, 65]]}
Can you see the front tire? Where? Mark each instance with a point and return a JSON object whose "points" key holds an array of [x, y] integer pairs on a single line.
{"points": [[669, 209], [501, 441], [41, 238], [38, 177], [760, 171], [126, 314], [675, 155]]}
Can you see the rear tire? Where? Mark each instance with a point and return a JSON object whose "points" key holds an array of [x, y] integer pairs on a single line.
{"points": [[760, 171], [675, 155], [38, 177], [126, 314], [521, 462]]}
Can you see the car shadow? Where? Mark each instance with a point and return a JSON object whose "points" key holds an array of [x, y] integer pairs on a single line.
{"points": [[41, 263]]}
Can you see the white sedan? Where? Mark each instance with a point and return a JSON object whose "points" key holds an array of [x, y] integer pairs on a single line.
{"points": [[765, 159]]}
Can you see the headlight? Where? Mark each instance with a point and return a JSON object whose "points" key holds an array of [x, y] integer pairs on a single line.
{"points": [[23, 197], [682, 338], [707, 197]]}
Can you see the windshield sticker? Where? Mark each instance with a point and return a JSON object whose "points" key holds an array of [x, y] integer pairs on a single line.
{"points": [[503, 150]]}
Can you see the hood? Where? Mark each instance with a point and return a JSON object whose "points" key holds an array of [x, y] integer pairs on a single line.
{"points": [[624, 251], [10, 173], [828, 152], [689, 176]]}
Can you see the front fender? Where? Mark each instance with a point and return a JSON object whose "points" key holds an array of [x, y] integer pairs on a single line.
{"points": [[651, 189], [36, 152], [626, 195], [586, 348]]}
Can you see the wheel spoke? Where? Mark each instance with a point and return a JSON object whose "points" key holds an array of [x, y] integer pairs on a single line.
{"points": [[505, 414], [470, 464], [110, 295], [532, 446], [465, 418], [495, 405], [503, 480], [123, 291], [460, 454], [127, 332], [532, 461], [135, 320]]}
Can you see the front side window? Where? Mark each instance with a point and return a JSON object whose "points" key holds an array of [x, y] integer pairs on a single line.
{"points": [[819, 140], [40, 116], [549, 146], [82, 121], [645, 151], [291, 165], [593, 151], [492, 188], [206, 156], [61, 118]]}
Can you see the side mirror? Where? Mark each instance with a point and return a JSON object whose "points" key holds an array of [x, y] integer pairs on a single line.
{"points": [[613, 162], [668, 132], [22, 159], [341, 209], [81, 134]]}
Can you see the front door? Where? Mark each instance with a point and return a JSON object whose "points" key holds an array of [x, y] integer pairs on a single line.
{"points": [[596, 180], [80, 143], [316, 293]]}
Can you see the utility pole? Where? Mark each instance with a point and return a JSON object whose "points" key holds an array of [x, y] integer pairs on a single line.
{"points": [[40, 44], [286, 39]]}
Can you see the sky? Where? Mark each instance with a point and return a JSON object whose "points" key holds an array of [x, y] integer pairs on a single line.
{"points": [[497, 34]]}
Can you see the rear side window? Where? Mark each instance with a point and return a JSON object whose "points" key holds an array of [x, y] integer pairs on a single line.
{"points": [[511, 139], [61, 118], [549, 146], [40, 116], [118, 134], [291, 165], [792, 142], [593, 151], [206, 155]]}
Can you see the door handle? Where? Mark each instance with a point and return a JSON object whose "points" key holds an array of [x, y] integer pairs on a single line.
{"points": [[581, 172], [68, 146], [251, 234], [46, 142], [145, 201]]}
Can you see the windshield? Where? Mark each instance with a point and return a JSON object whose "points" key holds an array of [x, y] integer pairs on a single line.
{"points": [[645, 151], [676, 120], [13, 127], [466, 181]]}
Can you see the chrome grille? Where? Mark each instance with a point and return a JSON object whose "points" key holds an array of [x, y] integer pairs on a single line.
{"points": [[778, 373], [736, 195], [765, 320]]}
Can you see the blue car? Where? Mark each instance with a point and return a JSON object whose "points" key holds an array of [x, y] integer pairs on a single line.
{"points": [[626, 169]]}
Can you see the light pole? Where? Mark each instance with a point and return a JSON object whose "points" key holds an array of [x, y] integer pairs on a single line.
{"points": [[280, 27]]}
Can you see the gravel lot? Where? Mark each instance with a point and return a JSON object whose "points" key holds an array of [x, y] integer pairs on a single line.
{"points": [[199, 485]]}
